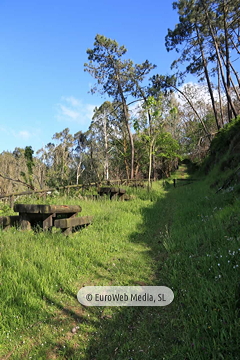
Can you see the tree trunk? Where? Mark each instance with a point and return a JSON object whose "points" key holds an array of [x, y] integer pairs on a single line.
{"points": [[227, 61], [125, 158], [208, 79], [126, 118], [220, 96], [106, 172], [150, 166], [215, 42]]}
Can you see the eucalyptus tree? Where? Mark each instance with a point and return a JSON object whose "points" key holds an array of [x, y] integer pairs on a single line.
{"points": [[10, 168], [81, 141], [116, 77], [101, 126], [158, 116], [58, 156], [109, 132], [154, 109]]}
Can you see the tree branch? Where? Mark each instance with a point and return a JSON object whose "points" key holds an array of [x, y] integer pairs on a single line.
{"points": [[19, 181]]}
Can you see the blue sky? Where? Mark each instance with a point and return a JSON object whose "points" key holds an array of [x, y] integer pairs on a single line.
{"points": [[43, 86]]}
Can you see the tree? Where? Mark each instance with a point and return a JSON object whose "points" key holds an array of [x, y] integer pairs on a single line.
{"points": [[81, 141], [101, 126], [58, 158], [116, 77], [154, 110], [166, 84], [166, 150], [28, 155], [206, 38]]}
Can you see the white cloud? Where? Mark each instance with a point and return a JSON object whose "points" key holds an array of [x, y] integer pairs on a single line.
{"points": [[135, 107], [196, 92], [89, 110], [71, 100], [4, 129], [71, 109], [24, 134], [69, 112]]}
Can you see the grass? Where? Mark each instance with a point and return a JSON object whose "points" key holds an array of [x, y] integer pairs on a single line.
{"points": [[186, 238]]}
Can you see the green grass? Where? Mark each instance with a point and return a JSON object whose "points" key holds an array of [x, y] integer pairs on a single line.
{"points": [[186, 238]]}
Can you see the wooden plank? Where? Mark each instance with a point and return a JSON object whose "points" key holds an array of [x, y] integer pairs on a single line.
{"points": [[75, 221], [46, 209], [8, 220]]}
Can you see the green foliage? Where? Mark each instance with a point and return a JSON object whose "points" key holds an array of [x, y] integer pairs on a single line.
{"points": [[224, 145], [166, 146], [225, 136], [28, 154], [114, 75]]}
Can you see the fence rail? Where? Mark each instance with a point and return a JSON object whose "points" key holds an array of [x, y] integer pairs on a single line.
{"points": [[12, 196], [188, 181]]}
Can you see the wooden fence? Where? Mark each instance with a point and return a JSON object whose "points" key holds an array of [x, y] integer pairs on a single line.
{"points": [[187, 181], [12, 196]]}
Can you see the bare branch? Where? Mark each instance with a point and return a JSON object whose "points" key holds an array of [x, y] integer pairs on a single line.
{"points": [[17, 180]]}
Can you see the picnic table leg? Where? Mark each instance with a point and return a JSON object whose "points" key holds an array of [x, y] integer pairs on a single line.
{"points": [[24, 221], [68, 230], [48, 222], [114, 196]]}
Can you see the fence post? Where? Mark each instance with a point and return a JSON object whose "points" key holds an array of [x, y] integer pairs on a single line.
{"points": [[11, 201]]}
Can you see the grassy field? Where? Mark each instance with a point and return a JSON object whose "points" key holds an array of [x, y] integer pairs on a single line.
{"points": [[186, 238]]}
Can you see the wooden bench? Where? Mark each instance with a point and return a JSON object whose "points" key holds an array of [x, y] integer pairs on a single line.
{"points": [[60, 216]]}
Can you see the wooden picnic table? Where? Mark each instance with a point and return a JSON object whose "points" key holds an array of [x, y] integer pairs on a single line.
{"points": [[114, 192], [60, 216]]}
